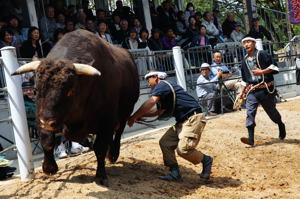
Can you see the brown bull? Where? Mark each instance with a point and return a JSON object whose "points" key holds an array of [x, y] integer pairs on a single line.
{"points": [[73, 98]]}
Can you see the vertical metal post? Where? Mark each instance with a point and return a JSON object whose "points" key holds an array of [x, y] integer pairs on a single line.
{"points": [[147, 15], [18, 114], [179, 67], [32, 13]]}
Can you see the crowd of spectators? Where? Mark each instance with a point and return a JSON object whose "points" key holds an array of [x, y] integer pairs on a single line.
{"points": [[171, 27]]}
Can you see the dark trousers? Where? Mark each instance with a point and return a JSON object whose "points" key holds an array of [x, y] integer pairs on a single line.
{"points": [[268, 105]]}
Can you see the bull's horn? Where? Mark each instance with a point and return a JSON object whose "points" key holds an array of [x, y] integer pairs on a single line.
{"points": [[84, 69], [29, 67]]}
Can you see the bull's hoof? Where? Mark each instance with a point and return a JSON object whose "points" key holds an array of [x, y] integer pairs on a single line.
{"points": [[113, 155], [102, 181], [50, 169]]}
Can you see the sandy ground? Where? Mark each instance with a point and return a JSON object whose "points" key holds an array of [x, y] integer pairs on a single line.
{"points": [[271, 169]]}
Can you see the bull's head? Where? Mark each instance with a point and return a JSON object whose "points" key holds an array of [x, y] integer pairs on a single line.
{"points": [[55, 82]]}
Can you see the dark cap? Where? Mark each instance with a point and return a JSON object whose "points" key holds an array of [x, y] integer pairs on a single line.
{"points": [[27, 84], [216, 10], [255, 19], [237, 24]]}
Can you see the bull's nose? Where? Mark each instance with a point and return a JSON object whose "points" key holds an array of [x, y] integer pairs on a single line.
{"points": [[52, 123]]}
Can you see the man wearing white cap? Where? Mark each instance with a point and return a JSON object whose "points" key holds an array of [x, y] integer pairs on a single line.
{"points": [[206, 88], [257, 73], [185, 135]]}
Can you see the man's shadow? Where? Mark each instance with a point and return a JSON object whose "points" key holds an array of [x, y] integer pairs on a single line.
{"points": [[276, 141]]}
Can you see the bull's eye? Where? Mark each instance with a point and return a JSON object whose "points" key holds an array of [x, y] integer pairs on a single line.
{"points": [[70, 93]]}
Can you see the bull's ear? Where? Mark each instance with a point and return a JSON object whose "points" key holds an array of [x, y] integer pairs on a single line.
{"points": [[85, 69], [29, 67]]}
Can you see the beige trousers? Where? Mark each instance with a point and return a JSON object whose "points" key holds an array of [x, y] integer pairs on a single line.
{"points": [[184, 138]]}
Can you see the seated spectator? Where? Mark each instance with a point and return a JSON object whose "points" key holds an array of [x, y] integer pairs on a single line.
{"points": [[207, 91], [193, 28], [88, 12], [102, 31], [198, 17], [71, 13], [166, 16], [31, 47], [48, 24], [143, 39], [201, 39], [132, 41], [228, 25], [90, 25], [29, 101], [211, 30], [81, 21], [236, 34], [223, 72], [58, 34], [7, 37], [60, 21], [169, 40], [181, 27], [258, 31], [155, 42], [123, 32], [100, 15], [70, 26], [189, 11]]}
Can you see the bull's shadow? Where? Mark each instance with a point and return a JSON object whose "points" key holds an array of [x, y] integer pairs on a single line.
{"points": [[141, 173]]}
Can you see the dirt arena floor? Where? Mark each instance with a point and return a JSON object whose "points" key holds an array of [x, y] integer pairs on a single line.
{"points": [[271, 169]]}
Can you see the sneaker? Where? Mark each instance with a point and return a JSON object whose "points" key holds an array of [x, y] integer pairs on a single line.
{"points": [[78, 148], [5, 162], [61, 151]]}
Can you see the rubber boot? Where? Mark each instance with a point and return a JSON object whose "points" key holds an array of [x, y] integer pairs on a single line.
{"points": [[250, 139], [207, 164], [173, 176], [282, 132]]}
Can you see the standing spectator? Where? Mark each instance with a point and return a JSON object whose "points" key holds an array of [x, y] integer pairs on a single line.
{"points": [[17, 9], [258, 31], [100, 15], [198, 17], [69, 25], [71, 13], [81, 21], [155, 42], [206, 89], [48, 24], [88, 12], [31, 47], [137, 25], [123, 32], [181, 27], [189, 11], [60, 20], [211, 30], [59, 7], [143, 39], [216, 19], [14, 25], [228, 25], [102, 31], [236, 34], [114, 27], [90, 25], [166, 16], [169, 40], [201, 39]]}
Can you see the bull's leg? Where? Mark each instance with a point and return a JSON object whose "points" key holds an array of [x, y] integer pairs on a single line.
{"points": [[48, 142], [114, 149], [100, 148]]}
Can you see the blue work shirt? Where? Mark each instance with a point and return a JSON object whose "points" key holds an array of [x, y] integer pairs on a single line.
{"points": [[184, 105]]}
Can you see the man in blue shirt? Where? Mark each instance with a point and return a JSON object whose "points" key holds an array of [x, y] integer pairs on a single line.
{"points": [[185, 135]]}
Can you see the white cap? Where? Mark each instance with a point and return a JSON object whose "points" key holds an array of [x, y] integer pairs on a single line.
{"points": [[248, 39], [205, 65], [160, 75]]}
